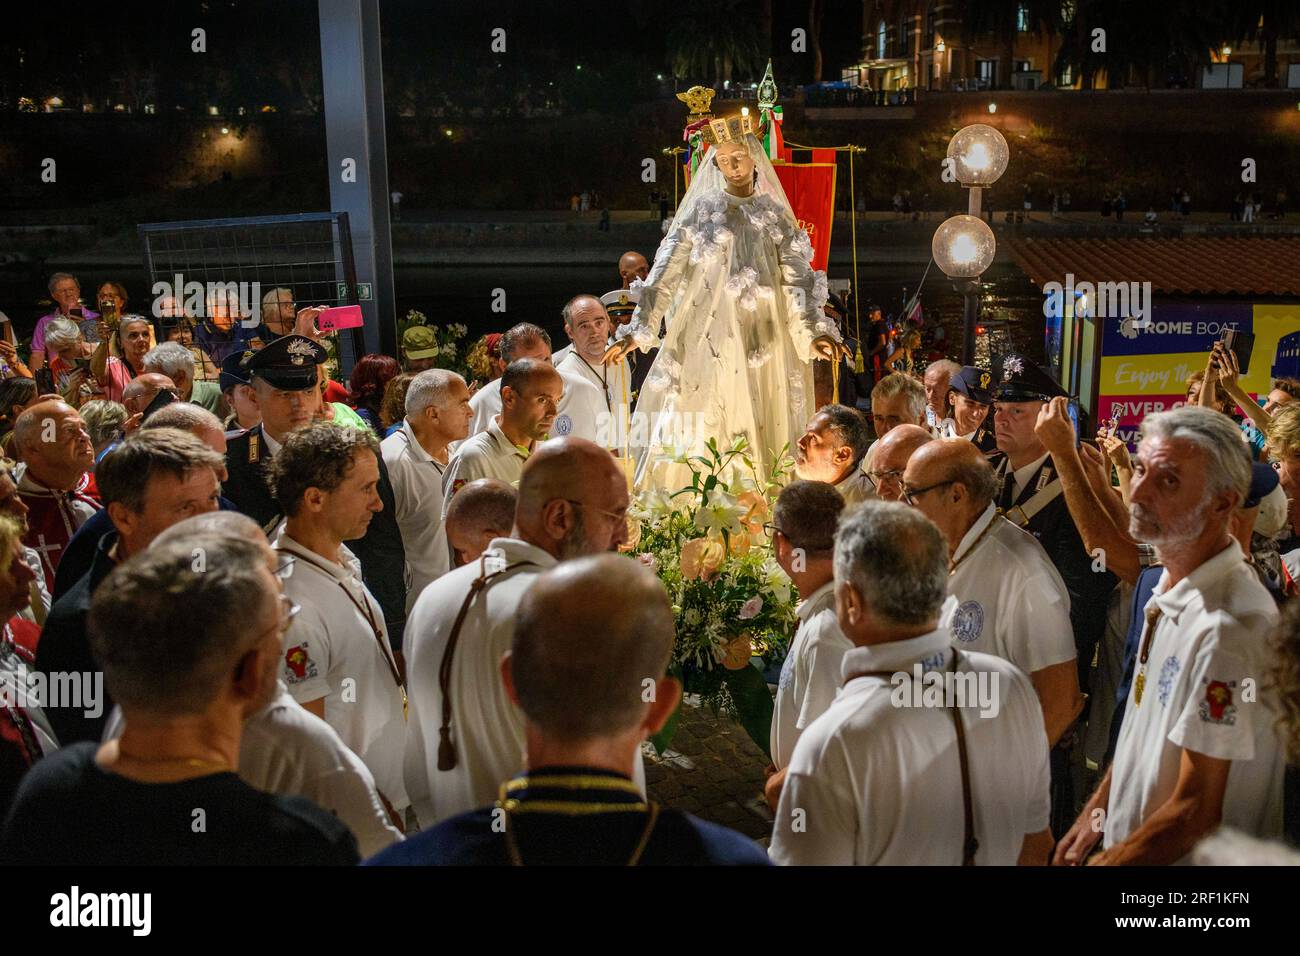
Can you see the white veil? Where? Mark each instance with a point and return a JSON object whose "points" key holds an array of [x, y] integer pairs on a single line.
{"points": [[707, 180]]}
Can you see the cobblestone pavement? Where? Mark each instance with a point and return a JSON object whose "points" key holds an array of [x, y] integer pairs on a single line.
{"points": [[714, 771]]}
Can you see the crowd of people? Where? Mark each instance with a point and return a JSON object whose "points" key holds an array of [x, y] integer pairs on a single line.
{"points": [[256, 616]]}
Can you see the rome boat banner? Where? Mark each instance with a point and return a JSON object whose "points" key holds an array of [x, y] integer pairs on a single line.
{"points": [[1145, 370]]}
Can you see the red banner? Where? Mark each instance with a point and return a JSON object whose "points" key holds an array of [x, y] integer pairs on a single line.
{"points": [[810, 187]]}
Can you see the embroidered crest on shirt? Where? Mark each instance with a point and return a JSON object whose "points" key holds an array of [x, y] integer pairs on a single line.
{"points": [[787, 673], [563, 425], [1217, 706], [1168, 673], [298, 665], [968, 621]]}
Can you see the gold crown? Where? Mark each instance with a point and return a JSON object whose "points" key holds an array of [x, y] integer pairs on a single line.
{"points": [[729, 129], [697, 99]]}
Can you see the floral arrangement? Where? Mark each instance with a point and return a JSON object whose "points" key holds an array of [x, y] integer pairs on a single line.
{"points": [[733, 603], [452, 354]]}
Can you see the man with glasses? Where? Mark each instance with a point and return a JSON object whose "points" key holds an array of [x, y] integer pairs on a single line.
{"points": [[466, 736], [889, 459], [138, 799], [531, 392], [831, 451], [1011, 600], [153, 480], [338, 662]]}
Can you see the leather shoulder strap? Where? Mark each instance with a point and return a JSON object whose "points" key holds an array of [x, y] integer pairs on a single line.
{"points": [[969, 845], [446, 748]]}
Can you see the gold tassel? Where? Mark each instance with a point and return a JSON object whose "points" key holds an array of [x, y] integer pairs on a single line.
{"points": [[859, 363]]}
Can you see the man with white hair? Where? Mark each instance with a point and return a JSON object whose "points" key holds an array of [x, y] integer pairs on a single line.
{"points": [[893, 773], [177, 363], [437, 413], [937, 379], [1198, 746]]}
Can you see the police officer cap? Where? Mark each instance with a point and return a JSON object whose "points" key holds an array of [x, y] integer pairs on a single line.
{"points": [[288, 363], [1016, 379], [975, 383], [232, 369]]}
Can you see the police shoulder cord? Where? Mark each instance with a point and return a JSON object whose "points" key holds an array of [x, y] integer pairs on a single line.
{"points": [[364, 608], [446, 748]]}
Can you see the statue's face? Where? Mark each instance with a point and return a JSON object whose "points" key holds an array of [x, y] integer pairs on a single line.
{"points": [[736, 166]]}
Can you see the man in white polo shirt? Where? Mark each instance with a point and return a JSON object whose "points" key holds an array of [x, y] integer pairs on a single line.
{"points": [[337, 660], [587, 324], [803, 537], [530, 395], [437, 413], [580, 409], [887, 776], [1011, 599], [466, 737], [1198, 747], [831, 449]]}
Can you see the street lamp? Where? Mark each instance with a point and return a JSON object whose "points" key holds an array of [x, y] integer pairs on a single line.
{"points": [[964, 246]]}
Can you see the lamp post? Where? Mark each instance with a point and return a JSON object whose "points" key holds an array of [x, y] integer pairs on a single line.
{"points": [[963, 246]]}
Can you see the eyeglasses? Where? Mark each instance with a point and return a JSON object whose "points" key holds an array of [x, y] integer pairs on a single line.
{"points": [[772, 530], [910, 495], [878, 478], [288, 611], [612, 515]]}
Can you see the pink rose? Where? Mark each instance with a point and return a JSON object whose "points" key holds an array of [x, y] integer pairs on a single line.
{"points": [[749, 610]]}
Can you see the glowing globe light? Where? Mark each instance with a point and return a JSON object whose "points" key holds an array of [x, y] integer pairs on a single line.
{"points": [[979, 154], [963, 247]]}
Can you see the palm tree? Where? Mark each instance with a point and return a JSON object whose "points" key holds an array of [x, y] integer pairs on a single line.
{"points": [[1263, 21], [714, 41]]}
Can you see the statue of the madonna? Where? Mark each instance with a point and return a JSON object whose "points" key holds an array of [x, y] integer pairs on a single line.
{"points": [[742, 305]]}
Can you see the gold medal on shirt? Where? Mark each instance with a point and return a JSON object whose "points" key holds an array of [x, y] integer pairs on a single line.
{"points": [[1139, 683]]}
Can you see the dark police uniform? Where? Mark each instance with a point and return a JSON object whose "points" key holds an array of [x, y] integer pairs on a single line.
{"points": [[975, 384], [1040, 509], [619, 306], [289, 363], [573, 816]]}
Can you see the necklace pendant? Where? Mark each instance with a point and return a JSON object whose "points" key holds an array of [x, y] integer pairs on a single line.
{"points": [[1139, 683]]}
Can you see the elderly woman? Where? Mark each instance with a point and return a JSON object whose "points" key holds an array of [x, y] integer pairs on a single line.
{"points": [[65, 291], [114, 373], [105, 424], [70, 361]]}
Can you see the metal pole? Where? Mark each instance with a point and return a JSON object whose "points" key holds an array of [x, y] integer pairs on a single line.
{"points": [[969, 318], [353, 87]]}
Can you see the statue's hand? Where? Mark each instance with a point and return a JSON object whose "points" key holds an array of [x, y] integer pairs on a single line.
{"points": [[826, 347], [618, 350]]}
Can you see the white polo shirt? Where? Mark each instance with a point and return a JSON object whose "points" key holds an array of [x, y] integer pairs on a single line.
{"points": [[1211, 637], [810, 676], [417, 499], [487, 729], [873, 783], [856, 487], [580, 409], [335, 651], [1011, 600], [287, 749], [489, 454]]}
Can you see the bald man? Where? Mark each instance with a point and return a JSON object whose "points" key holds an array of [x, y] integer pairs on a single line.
{"points": [[588, 326], [482, 510], [1011, 601], [889, 457], [531, 390], [632, 266], [592, 634], [464, 735], [143, 389], [55, 481]]}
